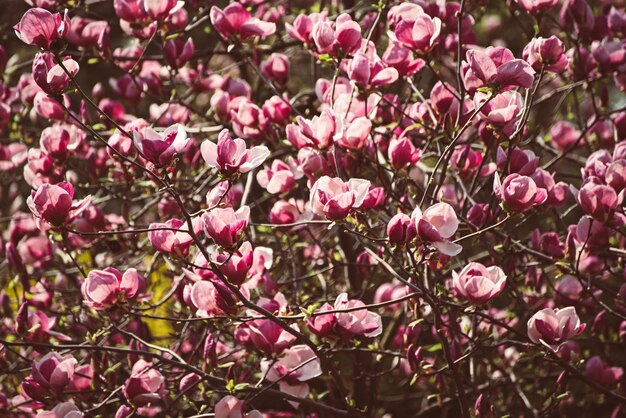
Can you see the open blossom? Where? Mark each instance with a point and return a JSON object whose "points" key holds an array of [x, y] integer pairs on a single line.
{"points": [[477, 283], [231, 407], [496, 66], [294, 367], [104, 288], [12, 156], [161, 9], [547, 53], [172, 236], [62, 410], [600, 372], [414, 29], [225, 225], [230, 155], [210, 298], [318, 132], [536, 6], [276, 68], [501, 109], [279, 178], [52, 372], [369, 72], [269, 337], [357, 321], [436, 225], [335, 199], [519, 193], [41, 28], [178, 52], [161, 148], [145, 385], [51, 77], [554, 326], [599, 201], [236, 20], [353, 135], [235, 264], [53, 203], [402, 152], [343, 35]]}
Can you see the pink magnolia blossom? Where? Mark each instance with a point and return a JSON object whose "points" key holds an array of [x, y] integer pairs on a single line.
{"points": [[41, 28], [500, 110], [354, 135], [145, 385], [547, 53], [496, 66], [317, 132], [536, 6], [51, 77], [295, 366], [600, 372], [370, 72], [402, 152], [554, 326], [402, 59], [418, 33], [161, 9], [104, 288], [54, 371], [235, 20], [563, 135], [334, 199], [519, 193], [62, 410], [477, 283], [279, 178], [400, 229], [178, 52], [172, 236], [53, 203], [210, 298], [276, 68], [520, 161], [356, 321], [231, 407], [341, 36], [236, 264], [225, 225], [230, 155], [269, 337], [12, 156], [161, 148], [599, 201], [322, 324], [436, 225]]}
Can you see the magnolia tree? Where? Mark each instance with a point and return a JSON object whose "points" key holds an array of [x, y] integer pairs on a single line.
{"points": [[312, 209]]}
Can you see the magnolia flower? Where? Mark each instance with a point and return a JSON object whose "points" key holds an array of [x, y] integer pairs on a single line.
{"points": [[478, 283], [172, 237], [400, 229], [294, 367], [41, 28], [225, 225], [231, 407], [53, 203], [104, 288], [279, 178], [52, 372], [51, 77], [62, 410], [160, 148], [370, 71], [546, 53], [145, 385], [436, 225], [230, 155], [356, 321], [418, 31], [554, 326], [495, 66], [519, 193], [236, 20], [334, 199]]}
